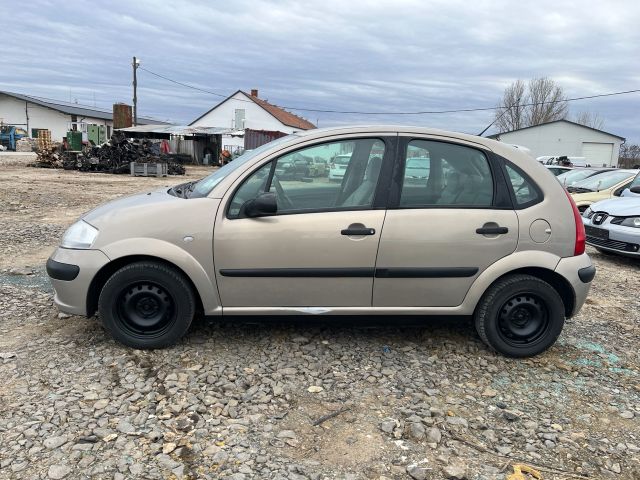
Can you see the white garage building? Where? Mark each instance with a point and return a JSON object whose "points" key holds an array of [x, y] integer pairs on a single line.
{"points": [[563, 137]]}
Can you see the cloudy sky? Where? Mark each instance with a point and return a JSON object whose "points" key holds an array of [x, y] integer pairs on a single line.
{"points": [[395, 56]]}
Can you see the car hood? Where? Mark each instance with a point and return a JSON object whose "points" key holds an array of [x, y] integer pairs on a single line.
{"points": [[590, 196], [151, 202], [619, 207]]}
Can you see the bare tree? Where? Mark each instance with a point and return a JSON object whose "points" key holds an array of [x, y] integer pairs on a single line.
{"points": [[548, 102], [513, 99], [590, 119], [629, 155], [540, 101]]}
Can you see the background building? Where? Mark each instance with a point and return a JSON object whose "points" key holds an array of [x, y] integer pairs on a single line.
{"points": [[242, 111], [563, 137], [34, 113]]}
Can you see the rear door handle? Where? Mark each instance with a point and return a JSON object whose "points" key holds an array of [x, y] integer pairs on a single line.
{"points": [[492, 230], [358, 231]]}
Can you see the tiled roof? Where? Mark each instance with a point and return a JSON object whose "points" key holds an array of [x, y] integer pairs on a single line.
{"points": [[286, 118], [283, 116]]}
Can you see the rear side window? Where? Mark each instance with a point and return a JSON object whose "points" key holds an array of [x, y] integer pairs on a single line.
{"points": [[438, 174], [525, 191]]}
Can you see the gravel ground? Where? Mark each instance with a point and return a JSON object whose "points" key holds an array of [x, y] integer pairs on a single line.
{"points": [[249, 399]]}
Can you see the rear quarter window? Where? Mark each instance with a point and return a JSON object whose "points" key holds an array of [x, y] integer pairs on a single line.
{"points": [[524, 190]]}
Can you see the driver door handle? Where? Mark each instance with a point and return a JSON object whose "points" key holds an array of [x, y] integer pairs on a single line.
{"points": [[359, 230]]}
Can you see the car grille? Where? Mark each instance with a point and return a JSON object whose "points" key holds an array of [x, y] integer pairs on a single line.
{"points": [[616, 245]]}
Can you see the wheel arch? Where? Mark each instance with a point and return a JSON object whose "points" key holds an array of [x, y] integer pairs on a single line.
{"points": [[101, 277], [557, 281]]}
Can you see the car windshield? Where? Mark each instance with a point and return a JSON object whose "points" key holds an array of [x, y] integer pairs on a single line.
{"points": [[604, 181], [418, 163], [342, 160], [573, 176], [204, 186], [636, 181]]}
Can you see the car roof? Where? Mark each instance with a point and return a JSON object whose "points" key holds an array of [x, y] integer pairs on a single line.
{"points": [[498, 147]]}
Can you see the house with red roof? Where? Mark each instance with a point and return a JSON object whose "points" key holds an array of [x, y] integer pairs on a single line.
{"points": [[247, 112]]}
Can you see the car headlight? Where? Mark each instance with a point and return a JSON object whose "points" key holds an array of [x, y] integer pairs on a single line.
{"points": [[80, 235], [587, 213], [631, 222]]}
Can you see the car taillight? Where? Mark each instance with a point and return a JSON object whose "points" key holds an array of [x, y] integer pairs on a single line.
{"points": [[579, 247]]}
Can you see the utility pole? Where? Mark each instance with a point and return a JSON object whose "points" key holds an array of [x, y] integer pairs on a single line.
{"points": [[135, 64]]}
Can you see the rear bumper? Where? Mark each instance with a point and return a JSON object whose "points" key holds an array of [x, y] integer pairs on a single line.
{"points": [[71, 272], [579, 272]]}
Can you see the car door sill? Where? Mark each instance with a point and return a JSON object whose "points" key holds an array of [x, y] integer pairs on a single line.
{"points": [[261, 311]]}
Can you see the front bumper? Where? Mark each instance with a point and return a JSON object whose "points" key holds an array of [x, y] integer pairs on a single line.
{"points": [[622, 240], [71, 273], [579, 272]]}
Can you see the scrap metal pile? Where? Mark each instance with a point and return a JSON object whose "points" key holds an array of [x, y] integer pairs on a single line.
{"points": [[111, 157]]}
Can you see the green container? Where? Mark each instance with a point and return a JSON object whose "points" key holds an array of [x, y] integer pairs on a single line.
{"points": [[74, 139], [97, 134]]}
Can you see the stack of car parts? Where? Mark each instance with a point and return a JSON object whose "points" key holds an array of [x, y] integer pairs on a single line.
{"points": [[115, 156]]}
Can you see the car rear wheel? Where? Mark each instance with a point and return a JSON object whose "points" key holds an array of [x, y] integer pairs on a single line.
{"points": [[520, 316], [146, 305]]}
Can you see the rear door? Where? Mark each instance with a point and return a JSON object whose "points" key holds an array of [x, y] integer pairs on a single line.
{"points": [[444, 227]]}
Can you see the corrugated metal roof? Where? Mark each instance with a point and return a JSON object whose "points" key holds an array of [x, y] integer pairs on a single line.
{"points": [[74, 108], [496, 135]]}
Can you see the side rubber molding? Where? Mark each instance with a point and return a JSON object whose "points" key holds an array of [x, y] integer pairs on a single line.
{"points": [[62, 271], [587, 274]]}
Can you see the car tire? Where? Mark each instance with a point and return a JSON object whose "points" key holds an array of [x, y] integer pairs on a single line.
{"points": [[147, 305], [520, 316]]}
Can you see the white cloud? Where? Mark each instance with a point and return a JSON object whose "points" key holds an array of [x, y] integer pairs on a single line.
{"points": [[331, 54]]}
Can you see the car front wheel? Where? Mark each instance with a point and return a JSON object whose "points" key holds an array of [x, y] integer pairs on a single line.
{"points": [[520, 316], [146, 305]]}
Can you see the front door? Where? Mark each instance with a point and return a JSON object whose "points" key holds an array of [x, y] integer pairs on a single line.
{"points": [[319, 249], [447, 223]]}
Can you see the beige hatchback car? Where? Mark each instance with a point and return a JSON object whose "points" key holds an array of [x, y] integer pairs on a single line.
{"points": [[483, 232]]}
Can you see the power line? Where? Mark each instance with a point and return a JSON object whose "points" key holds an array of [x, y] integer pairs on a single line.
{"points": [[185, 84], [423, 112]]}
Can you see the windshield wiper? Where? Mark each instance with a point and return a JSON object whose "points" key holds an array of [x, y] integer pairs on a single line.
{"points": [[183, 189], [579, 189], [189, 188]]}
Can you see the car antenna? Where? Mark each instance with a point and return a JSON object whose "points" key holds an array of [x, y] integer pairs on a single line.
{"points": [[496, 119]]}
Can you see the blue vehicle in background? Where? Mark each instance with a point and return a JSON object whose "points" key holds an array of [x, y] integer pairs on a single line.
{"points": [[9, 135]]}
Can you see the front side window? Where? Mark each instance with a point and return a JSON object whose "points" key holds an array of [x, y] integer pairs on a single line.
{"points": [[348, 181], [444, 174]]}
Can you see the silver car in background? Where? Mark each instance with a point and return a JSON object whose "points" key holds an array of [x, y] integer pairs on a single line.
{"points": [[613, 226]]}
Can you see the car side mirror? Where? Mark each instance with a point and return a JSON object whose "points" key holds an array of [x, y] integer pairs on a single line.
{"points": [[635, 189], [263, 205]]}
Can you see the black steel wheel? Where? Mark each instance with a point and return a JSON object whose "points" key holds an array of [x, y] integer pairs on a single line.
{"points": [[523, 319], [520, 316], [145, 309], [147, 305]]}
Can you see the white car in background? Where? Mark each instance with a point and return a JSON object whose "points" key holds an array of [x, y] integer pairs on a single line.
{"points": [[338, 167], [613, 226]]}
